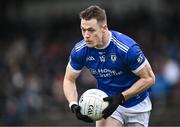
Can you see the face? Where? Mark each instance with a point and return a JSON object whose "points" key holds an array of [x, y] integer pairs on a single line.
{"points": [[92, 32]]}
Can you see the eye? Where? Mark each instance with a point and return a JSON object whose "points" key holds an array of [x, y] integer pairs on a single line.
{"points": [[83, 29], [91, 30]]}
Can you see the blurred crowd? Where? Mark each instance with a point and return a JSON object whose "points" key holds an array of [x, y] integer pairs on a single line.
{"points": [[33, 58]]}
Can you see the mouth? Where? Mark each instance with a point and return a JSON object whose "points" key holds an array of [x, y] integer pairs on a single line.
{"points": [[88, 42]]}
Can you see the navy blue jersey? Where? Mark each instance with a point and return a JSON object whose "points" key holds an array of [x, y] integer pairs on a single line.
{"points": [[114, 66]]}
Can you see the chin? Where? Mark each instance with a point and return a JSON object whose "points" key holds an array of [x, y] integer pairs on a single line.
{"points": [[90, 46]]}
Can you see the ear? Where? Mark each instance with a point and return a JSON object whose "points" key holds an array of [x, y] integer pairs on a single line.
{"points": [[104, 27]]}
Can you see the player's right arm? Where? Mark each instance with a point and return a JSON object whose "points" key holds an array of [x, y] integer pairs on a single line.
{"points": [[71, 94], [69, 85]]}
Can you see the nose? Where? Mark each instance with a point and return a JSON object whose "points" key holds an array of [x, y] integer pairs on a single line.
{"points": [[86, 35]]}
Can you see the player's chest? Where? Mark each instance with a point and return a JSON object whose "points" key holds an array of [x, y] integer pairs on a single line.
{"points": [[104, 60]]}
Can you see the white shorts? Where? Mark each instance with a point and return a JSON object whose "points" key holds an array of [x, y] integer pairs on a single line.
{"points": [[132, 116]]}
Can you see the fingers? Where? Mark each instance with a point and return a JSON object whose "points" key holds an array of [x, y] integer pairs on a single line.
{"points": [[75, 108], [87, 119], [78, 108], [84, 118], [107, 98], [106, 112], [107, 115]]}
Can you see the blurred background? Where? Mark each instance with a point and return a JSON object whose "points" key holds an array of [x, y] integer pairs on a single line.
{"points": [[35, 41]]}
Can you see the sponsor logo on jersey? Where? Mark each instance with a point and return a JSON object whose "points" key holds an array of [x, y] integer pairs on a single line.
{"points": [[93, 71], [105, 72], [90, 58], [140, 58]]}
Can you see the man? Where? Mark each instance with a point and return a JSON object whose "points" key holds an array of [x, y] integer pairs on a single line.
{"points": [[120, 68]]}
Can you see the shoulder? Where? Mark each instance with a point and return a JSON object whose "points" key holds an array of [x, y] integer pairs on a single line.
{"points": [[79, 48], [123, 41]]}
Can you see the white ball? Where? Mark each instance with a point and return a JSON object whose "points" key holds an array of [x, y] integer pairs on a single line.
{"points": [[92, 103]]}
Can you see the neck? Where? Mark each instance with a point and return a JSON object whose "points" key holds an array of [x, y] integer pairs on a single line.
{"points": [[105, 40]]}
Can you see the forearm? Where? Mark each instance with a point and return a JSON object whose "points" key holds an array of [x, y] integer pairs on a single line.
{"points": [[70, 91], [138, 87], [147, 79]]}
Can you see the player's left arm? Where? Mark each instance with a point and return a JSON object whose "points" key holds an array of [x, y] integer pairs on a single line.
{"points": [[147, 79], [139, 65]]}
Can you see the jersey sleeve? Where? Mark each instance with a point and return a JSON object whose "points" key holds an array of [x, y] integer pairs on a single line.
{"points": [[75, 61], [136, 59]]}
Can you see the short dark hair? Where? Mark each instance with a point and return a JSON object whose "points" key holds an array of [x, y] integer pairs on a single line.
{"points": [[94, 12]]}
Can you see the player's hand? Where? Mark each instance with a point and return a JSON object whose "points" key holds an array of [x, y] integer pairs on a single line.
{"points": [[114, 102], [76, 109]]}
